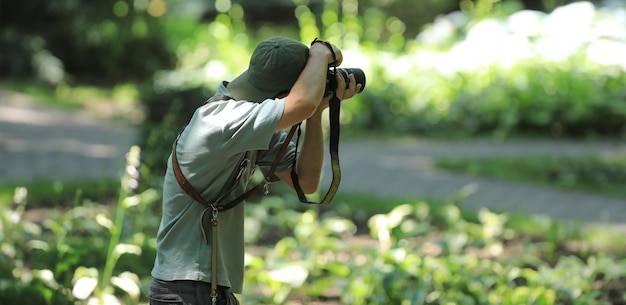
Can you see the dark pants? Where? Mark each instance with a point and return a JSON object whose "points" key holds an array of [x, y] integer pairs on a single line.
{"points": [[187, 293]]}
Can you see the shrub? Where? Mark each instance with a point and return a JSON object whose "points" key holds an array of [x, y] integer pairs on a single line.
{"points": [[466, 74], [102, 42], [552, 74]]}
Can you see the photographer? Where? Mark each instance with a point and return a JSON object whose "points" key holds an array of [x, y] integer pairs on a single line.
{"points": [[238, 129]]}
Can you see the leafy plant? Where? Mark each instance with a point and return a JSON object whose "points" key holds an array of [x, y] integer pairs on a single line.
{"points": [[98, 285], [66, 256], [425, 255], [416, 253]]}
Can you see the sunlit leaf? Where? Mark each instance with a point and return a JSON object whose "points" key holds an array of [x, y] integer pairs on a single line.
{"points": [[46, 276], [83, 287], [126, 249], [104, 221], [129, 282], [294, 275]]}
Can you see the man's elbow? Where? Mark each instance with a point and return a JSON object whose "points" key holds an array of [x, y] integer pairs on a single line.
{"points": [[306, 111], [303, 105], [310, 187], [294, 114]]}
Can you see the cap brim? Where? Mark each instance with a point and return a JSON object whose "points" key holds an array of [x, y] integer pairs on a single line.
{"points": [[241, 89]]}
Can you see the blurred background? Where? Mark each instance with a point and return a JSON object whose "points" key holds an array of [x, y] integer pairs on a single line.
{"points": [[433, 67], [92, 93]]}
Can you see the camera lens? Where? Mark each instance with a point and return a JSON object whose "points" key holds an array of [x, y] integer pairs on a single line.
{"points": [[359, 76]]}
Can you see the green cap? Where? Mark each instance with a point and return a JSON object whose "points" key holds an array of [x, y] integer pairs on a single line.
{"points": [[274, 68]]}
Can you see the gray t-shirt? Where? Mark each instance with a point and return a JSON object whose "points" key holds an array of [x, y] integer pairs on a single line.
{"points": [[210, 150]]}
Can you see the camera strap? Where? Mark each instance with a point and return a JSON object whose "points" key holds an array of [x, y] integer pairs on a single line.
{"points": [[333, 115]]}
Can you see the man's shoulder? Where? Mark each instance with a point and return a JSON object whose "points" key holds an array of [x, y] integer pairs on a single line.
{"points": [[234, 108]]}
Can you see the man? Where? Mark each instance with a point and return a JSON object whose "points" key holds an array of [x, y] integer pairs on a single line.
{"points": [[284, 85]]}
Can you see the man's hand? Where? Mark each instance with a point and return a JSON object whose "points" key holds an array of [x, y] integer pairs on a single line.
{"points": [[306, 96], [343, 93], [322, 47]]}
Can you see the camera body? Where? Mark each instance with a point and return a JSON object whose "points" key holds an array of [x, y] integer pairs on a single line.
{"points": [[359, 77]]}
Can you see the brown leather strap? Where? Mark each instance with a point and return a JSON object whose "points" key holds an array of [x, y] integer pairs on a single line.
{"points": [[281, 152], [257, 190], [215, 207], [180, 177], [182, 181], [213, 258]]}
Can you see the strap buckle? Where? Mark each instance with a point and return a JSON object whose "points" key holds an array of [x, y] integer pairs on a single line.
{"points": [[213, 297], [214, 212], [266, 187]]}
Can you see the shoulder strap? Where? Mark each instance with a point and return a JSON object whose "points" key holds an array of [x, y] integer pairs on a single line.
{"points": [[259, 189], [215, 207], [263, 188], [182, 181]]}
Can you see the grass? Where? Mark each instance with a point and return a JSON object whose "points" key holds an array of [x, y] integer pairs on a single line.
{"points": [[50, 193], [70, 96], [119, 103], [598, 174]]}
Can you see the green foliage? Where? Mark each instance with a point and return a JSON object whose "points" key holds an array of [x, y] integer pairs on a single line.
{"points": [[70, 256], [425, 255], [47, 193], [604, 174], [39, 258], [104, 41], [498, 75], [490, 69], [397, 18], [470, 71], [569, 100], [415, 253]]}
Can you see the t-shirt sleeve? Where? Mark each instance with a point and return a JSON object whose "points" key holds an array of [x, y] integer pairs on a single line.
{"points": [[236, 126], [251, 125]]}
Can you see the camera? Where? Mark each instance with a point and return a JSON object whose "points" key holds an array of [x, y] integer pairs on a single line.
{"points": [[359, 77]]}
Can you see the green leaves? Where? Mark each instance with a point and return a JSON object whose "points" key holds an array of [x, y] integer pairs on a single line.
{"points": [[427, 254], [417, 253]]}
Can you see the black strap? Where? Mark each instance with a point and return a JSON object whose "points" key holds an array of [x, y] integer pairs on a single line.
{"points": [[334, 111]]}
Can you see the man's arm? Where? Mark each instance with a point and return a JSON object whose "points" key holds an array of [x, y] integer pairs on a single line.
{"points": [[311, 158], [307, 93]]}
